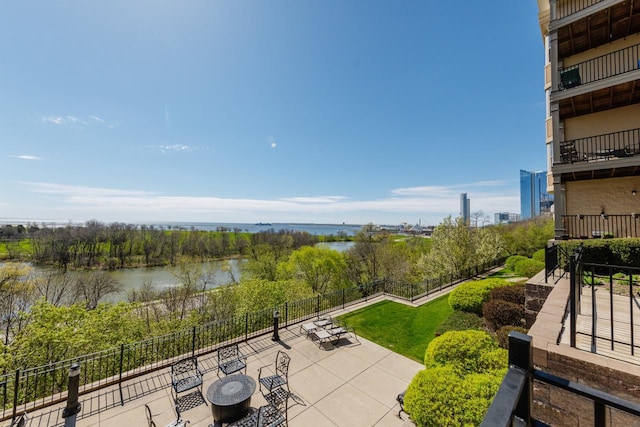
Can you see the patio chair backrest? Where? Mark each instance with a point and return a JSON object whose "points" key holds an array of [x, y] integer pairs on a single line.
{"points": [[282, 363], [231, 352], [183, 366]]}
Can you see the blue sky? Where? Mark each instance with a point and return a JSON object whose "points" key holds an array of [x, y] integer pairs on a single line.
{"points": [[267, 111]]}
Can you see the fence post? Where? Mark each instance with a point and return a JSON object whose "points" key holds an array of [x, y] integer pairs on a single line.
{"points": [[193, 341], [120, 374], [286, 314], [343, 299], [318, 306], [246, 326], [521, 356], [572, 300], [15, 394]]}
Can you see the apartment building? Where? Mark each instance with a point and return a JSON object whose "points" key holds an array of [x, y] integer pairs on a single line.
{"points": [[592, 86]]}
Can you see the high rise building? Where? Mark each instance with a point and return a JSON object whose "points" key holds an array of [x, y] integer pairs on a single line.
{"points": [[592, 86], [465, 208], [505, 217], [534, 199]]}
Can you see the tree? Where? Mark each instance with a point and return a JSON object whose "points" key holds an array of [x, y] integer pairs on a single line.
{"points": [[321, 268], [92, 286], [452, 248], [258, 294], [16, 294]]}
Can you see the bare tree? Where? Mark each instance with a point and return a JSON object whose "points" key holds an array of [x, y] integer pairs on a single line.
{"points": [[92, 286]]}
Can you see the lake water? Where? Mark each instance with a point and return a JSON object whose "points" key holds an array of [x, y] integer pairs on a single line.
{"points": [[216, 273]]}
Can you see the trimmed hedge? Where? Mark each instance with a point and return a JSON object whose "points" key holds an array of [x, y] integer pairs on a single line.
{"points": [[438, 397], [464, 371], [498, 313], [606, 251], [511, 262], [461, 350], [528, 267], [539, 255], [514, 293], [460, 321], [470, 296]]}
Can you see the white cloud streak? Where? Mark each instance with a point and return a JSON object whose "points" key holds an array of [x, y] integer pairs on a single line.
{"points": [[434, 202], [74, 120], [26, 157]]}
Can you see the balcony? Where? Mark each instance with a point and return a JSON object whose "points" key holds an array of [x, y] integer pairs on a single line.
{"points": [[585, 24], [601, 83], [607, 155], [601, 226]]}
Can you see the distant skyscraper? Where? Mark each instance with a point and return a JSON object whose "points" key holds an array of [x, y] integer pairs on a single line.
{"points": [[465, 208], [534, 198], [505, 217]]}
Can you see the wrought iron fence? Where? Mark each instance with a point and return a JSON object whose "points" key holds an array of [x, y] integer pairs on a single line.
{"points": [[601, 226], [513, 404], [33, 388]]}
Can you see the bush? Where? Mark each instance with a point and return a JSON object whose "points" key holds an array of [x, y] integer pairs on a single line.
{"points": [[528, 267], [461, 350], [498, 313], [539, 255], [460, 321], [510, 263], [502, 334], [440, 398], [514, 293], [470, 296]]}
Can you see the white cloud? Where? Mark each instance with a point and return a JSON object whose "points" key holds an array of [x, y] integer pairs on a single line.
{"points": [[74, 120], [433, 203], [26, 157]]}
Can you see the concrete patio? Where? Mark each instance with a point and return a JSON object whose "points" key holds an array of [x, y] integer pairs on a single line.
{"points": [[352, 384]]}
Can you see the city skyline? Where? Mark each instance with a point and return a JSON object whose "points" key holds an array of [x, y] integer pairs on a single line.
{"points": [[252, 112]]}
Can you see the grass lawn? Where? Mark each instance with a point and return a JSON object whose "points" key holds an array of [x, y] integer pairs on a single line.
{"points": [[398, 327]]}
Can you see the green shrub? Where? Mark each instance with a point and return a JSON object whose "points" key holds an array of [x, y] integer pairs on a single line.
{"points": [[592, 279], [502, 334], [528, 267], [461, 350], [514, 293], [470, 296], [539, 255], [460, 321], [438, 397], [498, 313], [510, 263]]}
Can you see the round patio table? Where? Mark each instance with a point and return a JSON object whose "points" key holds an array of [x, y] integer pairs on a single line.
{"points": [[230, 397]]}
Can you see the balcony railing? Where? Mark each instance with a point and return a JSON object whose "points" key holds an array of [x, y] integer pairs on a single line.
{"points": [[513, 404], [601, 226], [34, 388], [612, 64], [566, 8], [608, 146]]}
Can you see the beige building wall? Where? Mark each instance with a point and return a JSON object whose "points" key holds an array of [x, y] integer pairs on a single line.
{"points": [[601, 123], [614, 195]]}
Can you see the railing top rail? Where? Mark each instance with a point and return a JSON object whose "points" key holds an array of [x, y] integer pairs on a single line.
{"points": [[603, 135]]}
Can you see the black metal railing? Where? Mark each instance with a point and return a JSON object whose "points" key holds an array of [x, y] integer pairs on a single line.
{"points": [[33, 388], [602, 67], [615, 145], [601, 226], [566, 8], [621, 281], [556, 262], [513, 403]]}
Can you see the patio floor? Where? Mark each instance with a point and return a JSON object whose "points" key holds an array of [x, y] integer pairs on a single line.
{"points": [[352, 384]]}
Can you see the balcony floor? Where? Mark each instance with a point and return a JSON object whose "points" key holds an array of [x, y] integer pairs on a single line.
{"points": [[352, 384], [621, 324]]}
